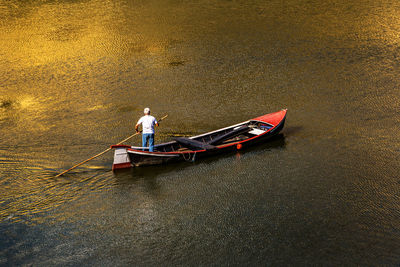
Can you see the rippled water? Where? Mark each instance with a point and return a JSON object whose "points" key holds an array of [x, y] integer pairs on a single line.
{"points": [[76, 75]]}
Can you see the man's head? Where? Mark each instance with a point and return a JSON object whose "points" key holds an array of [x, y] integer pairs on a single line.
{"points": [[146, 111]]}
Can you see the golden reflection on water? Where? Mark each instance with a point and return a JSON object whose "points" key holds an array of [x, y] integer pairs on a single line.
{"points": [[76, 74], [58, 94], [44, 33], [59, 31]]}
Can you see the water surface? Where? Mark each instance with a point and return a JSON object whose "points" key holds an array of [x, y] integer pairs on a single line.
{"points": [[76, 75]]}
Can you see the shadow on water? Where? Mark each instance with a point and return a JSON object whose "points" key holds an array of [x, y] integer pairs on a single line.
{"points": [[291, 130], [6, 103], [177, 63], [150, 173]]}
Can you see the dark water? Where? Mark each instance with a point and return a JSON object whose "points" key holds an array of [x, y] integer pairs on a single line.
{"points": [[76, 75]]}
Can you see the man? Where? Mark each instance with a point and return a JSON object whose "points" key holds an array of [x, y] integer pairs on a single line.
{"points": [[148, 123]]}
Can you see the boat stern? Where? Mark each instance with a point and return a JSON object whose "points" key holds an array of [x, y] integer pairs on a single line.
{"points": [[121, 158]]}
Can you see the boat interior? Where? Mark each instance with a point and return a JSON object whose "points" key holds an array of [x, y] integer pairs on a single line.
{"points": [[212, 140]]}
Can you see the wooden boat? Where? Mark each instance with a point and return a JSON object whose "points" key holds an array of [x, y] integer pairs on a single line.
{"points": [[232, 138]]}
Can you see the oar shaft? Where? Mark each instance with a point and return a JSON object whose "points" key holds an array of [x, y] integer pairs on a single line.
{"points": [[79, 164], [126, 139], [101, 153]]}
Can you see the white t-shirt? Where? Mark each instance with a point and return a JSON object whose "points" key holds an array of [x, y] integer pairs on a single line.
{"points": [[148, 123]]}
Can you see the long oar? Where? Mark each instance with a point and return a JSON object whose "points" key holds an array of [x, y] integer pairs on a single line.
{"points": [[101, 153]]}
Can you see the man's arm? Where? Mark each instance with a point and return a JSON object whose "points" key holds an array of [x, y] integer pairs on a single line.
{"points": [[137, 125]]}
